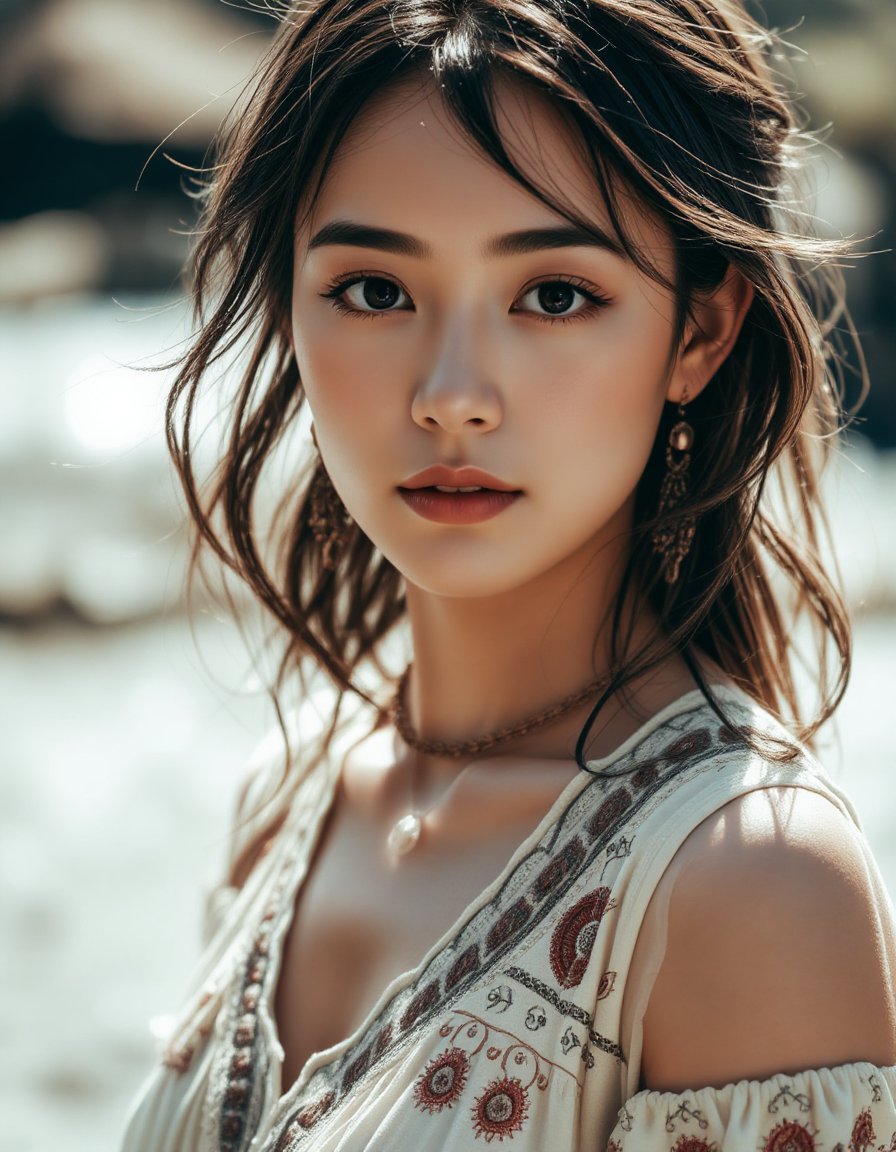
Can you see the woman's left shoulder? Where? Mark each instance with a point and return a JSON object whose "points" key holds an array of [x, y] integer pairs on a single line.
{"points": [[780, 948]]}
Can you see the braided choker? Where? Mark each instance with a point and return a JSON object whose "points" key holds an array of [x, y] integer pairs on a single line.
{"points": [[458, 749], [406, 833]]}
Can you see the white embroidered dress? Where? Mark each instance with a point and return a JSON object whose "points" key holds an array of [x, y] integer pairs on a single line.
{"points": [[521, 1025]]}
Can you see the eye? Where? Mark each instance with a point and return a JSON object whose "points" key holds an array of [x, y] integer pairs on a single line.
{"points": [[366, 295], [562, 299]]}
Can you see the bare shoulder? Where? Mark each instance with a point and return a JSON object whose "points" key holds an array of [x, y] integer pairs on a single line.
{"points": [[779, 951]]}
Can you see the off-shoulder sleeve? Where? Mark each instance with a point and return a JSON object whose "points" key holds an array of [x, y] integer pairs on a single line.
{"points": [[850, 1108]]}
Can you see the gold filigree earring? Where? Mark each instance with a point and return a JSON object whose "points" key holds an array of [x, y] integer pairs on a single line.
{"points": [[329, 519], [673, 542]]}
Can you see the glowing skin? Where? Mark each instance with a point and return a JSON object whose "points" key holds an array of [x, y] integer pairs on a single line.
{"points": [[446, 356], [456, 356], [452, 360]]}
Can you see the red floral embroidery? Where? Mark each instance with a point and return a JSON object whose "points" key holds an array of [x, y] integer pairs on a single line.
{"points": [[235, 1096], [508, 924], [307, 1118], [574, 937], [231, 1126], [382, 1042], [443, 1081], [245, 1031], [609, 812], [289, 1134], [688, 745], [647, 774], [467, 962], [614, 1146], [422, 1002], [501, 1110], [356, 1070], [790, 1136], [862, 1132], [694, 1144], [565, 862]]}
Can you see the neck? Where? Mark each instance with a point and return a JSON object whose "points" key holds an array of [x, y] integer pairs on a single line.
{"points": [[483, 664]]}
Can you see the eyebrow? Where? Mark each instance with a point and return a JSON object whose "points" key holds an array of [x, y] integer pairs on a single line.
{"points": [[508, 244]]}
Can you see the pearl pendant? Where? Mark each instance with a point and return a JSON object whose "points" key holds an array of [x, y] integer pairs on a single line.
{"points": [[404, 835], [682, 437]]}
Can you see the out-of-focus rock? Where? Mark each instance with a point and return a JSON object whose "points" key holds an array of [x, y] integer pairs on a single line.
{"points": [[125, 70], [49, 254]]}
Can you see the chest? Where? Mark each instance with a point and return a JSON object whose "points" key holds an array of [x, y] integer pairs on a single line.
{"points": [[360, 920]]}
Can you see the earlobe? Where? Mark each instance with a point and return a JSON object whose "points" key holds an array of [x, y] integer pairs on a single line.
{"points": [[711, 332]]}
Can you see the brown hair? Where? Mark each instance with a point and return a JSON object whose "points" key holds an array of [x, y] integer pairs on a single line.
{"points": [[673, 99]]}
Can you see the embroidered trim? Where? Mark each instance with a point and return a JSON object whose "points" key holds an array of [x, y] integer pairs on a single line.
{"points": [[236, 1094], [183, 1045], [568, 1008], [307, 1117], [241, 1077], [528, 895], [500, 926]]}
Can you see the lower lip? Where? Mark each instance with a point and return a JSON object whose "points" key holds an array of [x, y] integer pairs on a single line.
{"points": [[457, 507]]}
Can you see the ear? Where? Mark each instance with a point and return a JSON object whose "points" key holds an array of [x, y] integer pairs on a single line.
{"points": [[710, 333]]}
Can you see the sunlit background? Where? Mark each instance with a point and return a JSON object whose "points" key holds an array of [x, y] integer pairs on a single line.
{"points": [[124, 723]]}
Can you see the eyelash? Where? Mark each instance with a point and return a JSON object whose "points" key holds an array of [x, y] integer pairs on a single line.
{"points": [[337, 287]]}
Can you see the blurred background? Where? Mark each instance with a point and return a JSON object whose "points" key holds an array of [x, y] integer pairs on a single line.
{"points": [[126, 721]]}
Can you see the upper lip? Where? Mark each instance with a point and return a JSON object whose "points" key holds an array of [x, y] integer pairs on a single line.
{"points": [[456, 478]]}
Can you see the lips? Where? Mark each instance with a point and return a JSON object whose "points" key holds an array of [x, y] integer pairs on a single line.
{"points": [[441, 478], [457, 496]]}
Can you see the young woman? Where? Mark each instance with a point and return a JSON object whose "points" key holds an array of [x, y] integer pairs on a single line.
{"points": [[570, 878]]}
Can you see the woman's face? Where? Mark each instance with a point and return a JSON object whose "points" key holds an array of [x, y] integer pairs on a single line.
{"points": [[443, 325]]}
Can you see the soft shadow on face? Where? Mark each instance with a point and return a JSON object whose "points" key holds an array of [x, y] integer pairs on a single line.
{"points": [[547, 368]]}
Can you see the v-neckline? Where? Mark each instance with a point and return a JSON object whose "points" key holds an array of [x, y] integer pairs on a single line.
{"points": [[302, 867], [402, 980]]}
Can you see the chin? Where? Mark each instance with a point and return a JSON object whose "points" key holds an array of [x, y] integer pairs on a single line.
{"points": [[458, 574]]}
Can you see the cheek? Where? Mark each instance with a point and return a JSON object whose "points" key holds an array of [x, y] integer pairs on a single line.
{"points": [[341, 371], [602, 390], [346, 379]]}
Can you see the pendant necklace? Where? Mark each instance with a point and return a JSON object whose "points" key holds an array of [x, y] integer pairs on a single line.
{"points": [[405, 833]]}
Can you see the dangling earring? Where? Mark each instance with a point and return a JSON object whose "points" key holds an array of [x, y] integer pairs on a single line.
{"points": [[329, 520], [672, 544]]}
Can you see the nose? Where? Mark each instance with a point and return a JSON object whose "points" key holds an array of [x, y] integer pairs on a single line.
{"points": [[455, 394]]}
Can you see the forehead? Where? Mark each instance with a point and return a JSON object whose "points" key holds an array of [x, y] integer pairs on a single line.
{"points": [[407, 163]]}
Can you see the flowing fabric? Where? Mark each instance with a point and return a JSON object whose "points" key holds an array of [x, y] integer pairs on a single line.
{"points": [[522, 1025]]}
